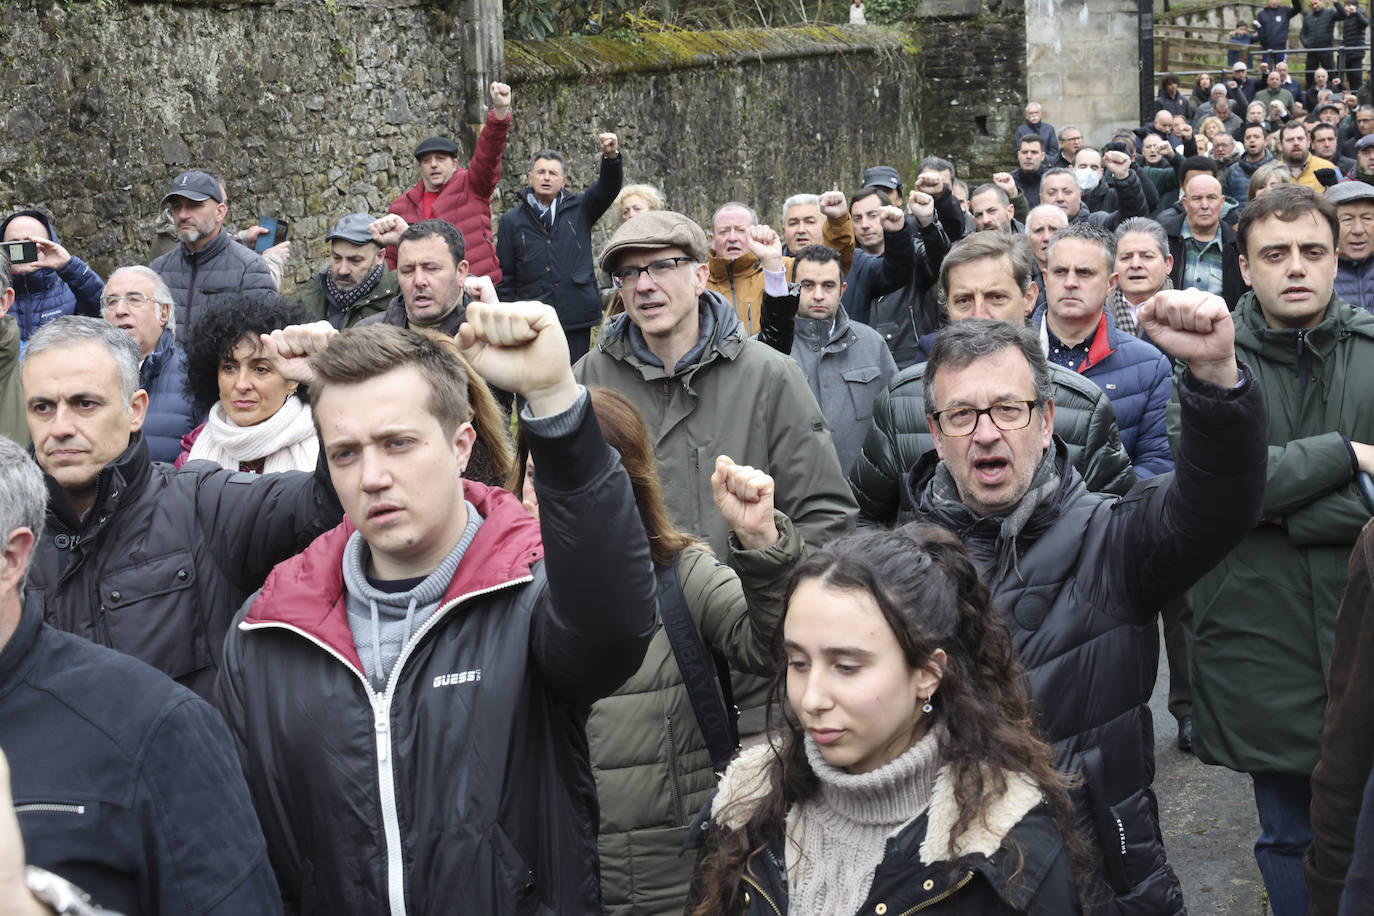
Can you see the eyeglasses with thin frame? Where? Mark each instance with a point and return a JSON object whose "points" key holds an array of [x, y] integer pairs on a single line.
{"points": [[137, 300], [1007, 416], [658, 271]]}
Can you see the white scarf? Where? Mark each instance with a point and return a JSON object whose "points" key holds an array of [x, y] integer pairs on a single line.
{"points": [[286, 440]]}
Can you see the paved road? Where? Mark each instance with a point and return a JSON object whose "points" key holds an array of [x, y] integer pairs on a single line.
{"points": [[1208, 817]]}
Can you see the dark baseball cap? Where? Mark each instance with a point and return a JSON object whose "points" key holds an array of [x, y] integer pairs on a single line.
{"points": [[195, 185], [353, 228], [655, 229], [882, 176], [437, 145]]}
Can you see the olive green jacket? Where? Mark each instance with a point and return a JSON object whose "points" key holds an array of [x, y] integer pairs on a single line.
{"points": [[1264, 618], [653, 771], [12, 421], [315, 301]]}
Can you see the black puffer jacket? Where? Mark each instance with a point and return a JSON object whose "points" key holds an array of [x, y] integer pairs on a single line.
{"points": [[1080, 588], [464, 786], [200, 280], [163, 559], [555, 266], [1083, 418]]}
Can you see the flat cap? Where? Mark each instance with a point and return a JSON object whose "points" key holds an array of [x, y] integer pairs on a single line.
{"points": [[436, 145], [655, 229], [1346, 191], [194, 185], [882, 176], [353, 228], [1365, 142]]}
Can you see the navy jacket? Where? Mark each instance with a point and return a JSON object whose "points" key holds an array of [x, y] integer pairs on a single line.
{"points": [[125, 783], [1271, 26], [556, 266], [46, 294], [1138, 378], [1355, 282], [170, 415]]}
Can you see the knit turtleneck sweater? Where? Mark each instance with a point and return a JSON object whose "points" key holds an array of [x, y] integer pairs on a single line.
{"points": [[843, 830]]}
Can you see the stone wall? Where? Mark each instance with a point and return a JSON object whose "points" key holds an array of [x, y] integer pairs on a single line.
{"points": [[753, 115], [1070, 46], [973, 90], [309, 109]]}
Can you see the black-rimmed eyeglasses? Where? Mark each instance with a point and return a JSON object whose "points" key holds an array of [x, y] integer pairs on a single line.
{"points": [[1006, 416], [658, 271]]}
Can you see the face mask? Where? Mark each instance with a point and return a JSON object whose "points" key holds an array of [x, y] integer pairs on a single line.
{"points": [[1086, 179]]}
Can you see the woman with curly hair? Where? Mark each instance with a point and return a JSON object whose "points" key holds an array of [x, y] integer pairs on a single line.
{"points": [[907, 775], [255, 419]]}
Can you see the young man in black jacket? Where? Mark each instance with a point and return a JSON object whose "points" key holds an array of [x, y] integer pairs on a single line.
{"points": [[409, 694]]}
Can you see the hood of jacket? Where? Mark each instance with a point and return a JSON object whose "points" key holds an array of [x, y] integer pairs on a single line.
{"points": [[306, 593]]}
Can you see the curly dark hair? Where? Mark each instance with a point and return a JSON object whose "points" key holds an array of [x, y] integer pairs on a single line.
{"points": [[928, 591], [220, 328]]}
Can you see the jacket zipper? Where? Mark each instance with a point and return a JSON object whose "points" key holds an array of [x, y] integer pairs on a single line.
{"points": [[381, 725], [968, 876], [674, 790], [762, 893], [51, 808]]}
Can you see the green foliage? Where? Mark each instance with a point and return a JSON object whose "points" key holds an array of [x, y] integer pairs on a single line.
{"points": [[886, 12]]}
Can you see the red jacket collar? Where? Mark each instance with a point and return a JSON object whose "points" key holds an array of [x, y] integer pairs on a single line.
{"points": [[306, 592], [1100, 348]]}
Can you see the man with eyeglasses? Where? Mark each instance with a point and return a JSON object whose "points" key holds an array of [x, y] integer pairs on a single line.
{"points": [[138, 302], [208, 267], [1070, 142], [684, 358], [1080, 576]]}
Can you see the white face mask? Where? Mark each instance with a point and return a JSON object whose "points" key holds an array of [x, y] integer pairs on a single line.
{"points": [[1086, 179]]}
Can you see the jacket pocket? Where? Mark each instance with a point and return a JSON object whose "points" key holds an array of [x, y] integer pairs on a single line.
{"points": [[1107, 824], [864, 384], [150, 611], [516, 879]]}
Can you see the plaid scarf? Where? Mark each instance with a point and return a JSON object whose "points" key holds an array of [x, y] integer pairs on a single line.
{"points": [[1123, 313], [344, 298]]}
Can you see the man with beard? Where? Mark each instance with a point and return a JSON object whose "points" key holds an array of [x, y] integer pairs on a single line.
{"points": [[208, 267], [356, 283], [1302, 165]]}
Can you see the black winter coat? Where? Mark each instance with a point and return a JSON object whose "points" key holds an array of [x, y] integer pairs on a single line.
{"points": [[126, 784], [163, 559], [464, 786], [1083, 417], [1080, 588], [556, 267], [202, 279]]}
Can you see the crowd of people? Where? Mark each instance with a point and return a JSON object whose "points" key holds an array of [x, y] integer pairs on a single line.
{"points": [[822, 573]]}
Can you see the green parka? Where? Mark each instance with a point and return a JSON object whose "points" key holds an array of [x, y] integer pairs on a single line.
{"points": [[317, 302], [653, 771], [1264, 618], [13, 422]]}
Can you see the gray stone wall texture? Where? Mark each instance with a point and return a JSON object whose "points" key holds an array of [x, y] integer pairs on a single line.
{"points": [[308, 109]]}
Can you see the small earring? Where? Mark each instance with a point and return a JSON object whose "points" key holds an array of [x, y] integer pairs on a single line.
{"points": [[927, 707]]}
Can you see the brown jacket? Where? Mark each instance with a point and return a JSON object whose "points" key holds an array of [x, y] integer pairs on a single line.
{"points": [[741, 281]]}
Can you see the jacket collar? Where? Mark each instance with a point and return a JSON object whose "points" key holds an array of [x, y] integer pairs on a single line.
{"points": [[833, 338], [152, 363], [116, 484], [306, 593], [212, 248], [723, 270], [728, 340], [1341, 320]]}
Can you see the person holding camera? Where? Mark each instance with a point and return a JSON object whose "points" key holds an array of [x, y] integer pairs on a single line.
{"points": [[49, 281]]}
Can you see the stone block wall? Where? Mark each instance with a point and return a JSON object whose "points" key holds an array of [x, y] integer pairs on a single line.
{"points": [[1070, 46]]}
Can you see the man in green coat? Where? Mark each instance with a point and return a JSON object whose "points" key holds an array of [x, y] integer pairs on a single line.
{"points": [[1264, 618], [12, 420], [356, 283]]}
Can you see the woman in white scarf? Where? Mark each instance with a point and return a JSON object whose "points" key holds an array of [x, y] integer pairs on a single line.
{"points": [[257, 420]]}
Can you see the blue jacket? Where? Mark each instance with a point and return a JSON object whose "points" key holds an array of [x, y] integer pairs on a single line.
{"points": [[170, 415], [1138, 379], [125, 783], [46, 294], [1355, 282]]}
